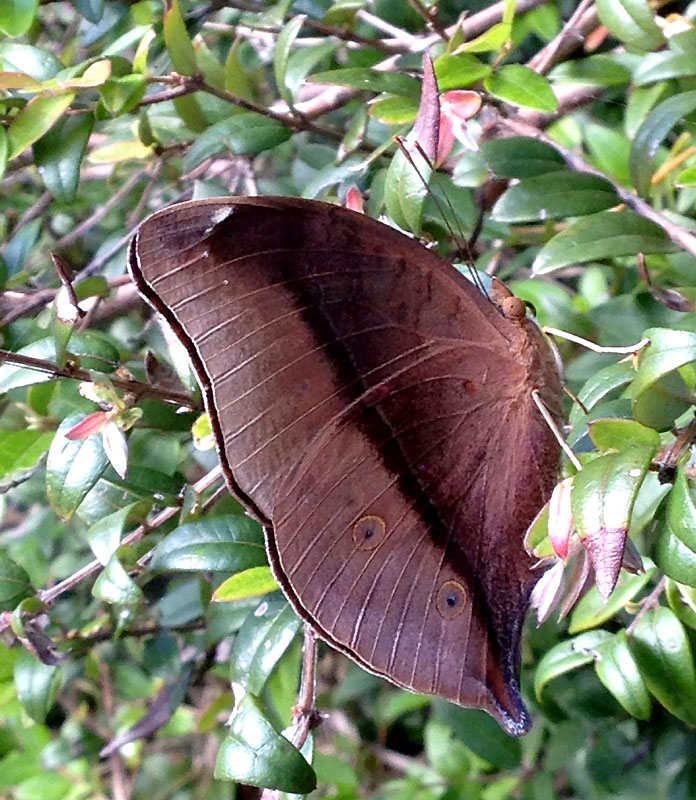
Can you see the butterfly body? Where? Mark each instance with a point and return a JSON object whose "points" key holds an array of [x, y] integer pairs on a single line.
{"points": [[374, 411]]}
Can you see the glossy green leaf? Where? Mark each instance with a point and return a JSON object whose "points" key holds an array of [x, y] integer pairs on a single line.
{"points": [[40, 64], [480, 733], [491, 40], [599, 70], [281, 54], [14, 583], [681, 511], [522, 86], [93, 350], [183, 56], [223, 544], [252, 582], [592, 610], [37, 685], [394, 109], [263, 638], [607, 234], [20, 451], [618, 671], [520, 157], [405, 190], [554, 195], [663, 654], [674, 558], [567, 656], [122, 94], [618, 434], [665, 65], [610, 151], [686, 178], [659, 393], [59, 153], [682, 600], [105, 534], [116, 587], [369, 80], [604, 492], [242, 134], [36, 118], [254, 754], [303, 61], [460, 71], [632, 22], [17, 16], [72, 468], [651, 133]]}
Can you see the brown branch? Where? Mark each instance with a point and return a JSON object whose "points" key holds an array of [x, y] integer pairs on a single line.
{"points": [[573, 34], [680, 236], [134, 387]]}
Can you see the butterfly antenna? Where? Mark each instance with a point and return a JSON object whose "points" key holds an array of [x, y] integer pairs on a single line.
{"points": [[555, 430], [458, 235]]}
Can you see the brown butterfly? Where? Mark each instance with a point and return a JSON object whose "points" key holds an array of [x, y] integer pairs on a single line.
{"points": [[374, 411]]}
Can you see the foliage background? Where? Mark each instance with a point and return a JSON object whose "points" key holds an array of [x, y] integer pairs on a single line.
{"points": [[111, 110]]}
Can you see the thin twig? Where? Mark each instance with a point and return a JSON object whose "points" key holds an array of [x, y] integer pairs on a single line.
{"points": [[134, 387], [580, 23], [35, 210], [113, 202], [48, 596], [651, 601], [680, 236]]}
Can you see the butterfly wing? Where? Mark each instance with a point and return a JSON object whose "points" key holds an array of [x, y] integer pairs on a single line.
{"points": [[317, 332]]}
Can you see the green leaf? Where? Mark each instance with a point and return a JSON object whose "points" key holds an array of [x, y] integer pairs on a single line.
{"points": [[104, 536], [655, 127], [121, 95], [252, 582], [632, 22], [116, 587], [263, 638], [607, 234], [618, 671], [460, 71], [20, 451], [14, 583], [604, 492], [94, 351], [72, 468], [618, 434], [281, 54], [254, 754], [555, 195], [183, 56], [567, 656], [58, 155], [394, 109], [490, 41], [663, 654], [40, 64], [302, 61], [405, 190], [659, 393], [369, 80], [675, 552], [682, 600], [222, 544], [480, 733], [522, 86], [4, 150], [664, 66], [520, 157], [600, 385], [599, 70], [592, 610], [37, 685], [242, 134], [36, 118], [17, 16]]}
